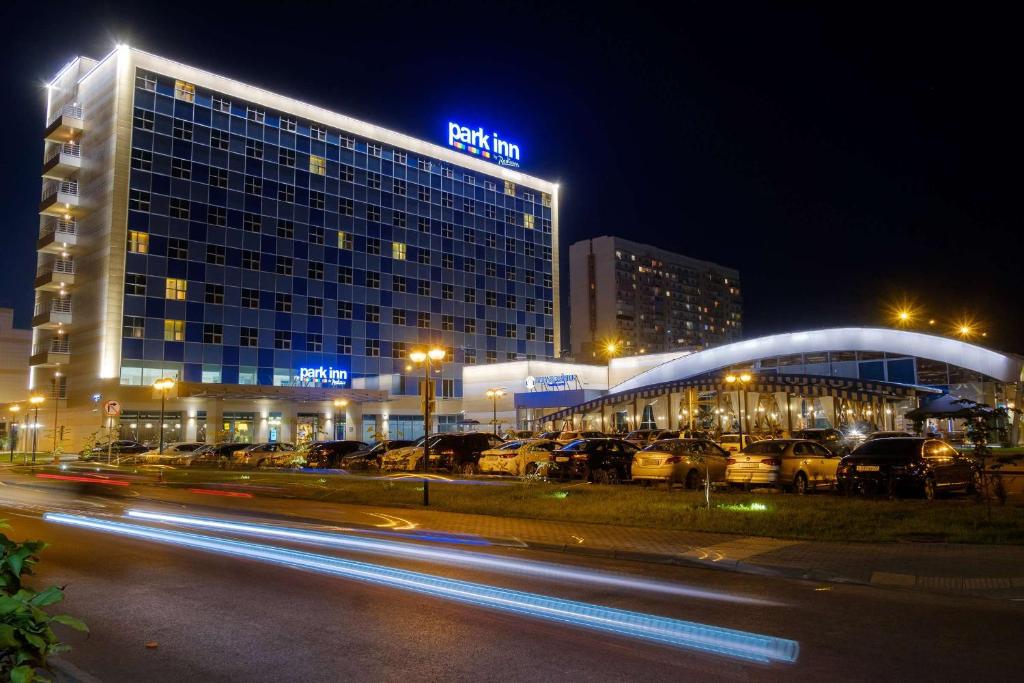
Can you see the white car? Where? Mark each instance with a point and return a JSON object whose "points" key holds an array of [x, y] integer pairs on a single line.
{"points": [[178, 453], [520, 458], [731, 442]]}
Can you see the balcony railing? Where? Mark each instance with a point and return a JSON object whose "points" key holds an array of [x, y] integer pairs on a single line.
{"points": [[53, 187], [73, 111], [58, 266], [55, 345], [60, 226], [58, 305], [68, 148]]}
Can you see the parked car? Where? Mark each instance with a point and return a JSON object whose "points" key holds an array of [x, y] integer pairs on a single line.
{"points": [[901, 465], [514, 435], [216, 454], [885, 435], [328, 454], [642, 437], [796, 465], [371, 456], [601, 460], [566, 437], [830, 438], [525, 457], [179, 453], [448, 452], [115, 449], [731, 442], [265, 455], [680, 461]]}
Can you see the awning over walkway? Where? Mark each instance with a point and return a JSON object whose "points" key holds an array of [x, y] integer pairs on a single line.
{"points": [[801, 385], [255, 391]]}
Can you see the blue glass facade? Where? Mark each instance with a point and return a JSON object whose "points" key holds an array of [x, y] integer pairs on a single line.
{"points": [[260, 244]]}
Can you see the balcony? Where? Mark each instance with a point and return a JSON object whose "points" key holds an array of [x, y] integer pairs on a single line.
{"points": [[63, 161], [60, 198], [56, 352], [58, 235], [66, 124], [56, 276], [53, 314]]}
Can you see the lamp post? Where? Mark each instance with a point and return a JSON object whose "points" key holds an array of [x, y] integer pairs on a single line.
{"points": [[742, 380], [428, 358], [339, 403], [55, 395], [163, 385], [14, 408], [611, 349], [494, 395], [35, 400]]}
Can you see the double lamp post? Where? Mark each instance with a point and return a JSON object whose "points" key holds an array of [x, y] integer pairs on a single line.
{"points": [[429, 359]]}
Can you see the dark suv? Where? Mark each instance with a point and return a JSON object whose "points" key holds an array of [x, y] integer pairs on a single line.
{"points": [[216, 454], [901, 465], [328, 454], [461, 452], [371, 456], [602, 461]]}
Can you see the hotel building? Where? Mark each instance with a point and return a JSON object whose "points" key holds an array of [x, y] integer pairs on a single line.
{"points": [[277, 259]]}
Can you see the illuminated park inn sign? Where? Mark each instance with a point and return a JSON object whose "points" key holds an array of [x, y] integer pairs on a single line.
{"points": [[321, 376], [486, 145]]}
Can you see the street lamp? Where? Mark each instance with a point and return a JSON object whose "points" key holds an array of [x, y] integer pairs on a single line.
{"points": [[14, 418], [55, 394], [339, 403], [428, 358], [35, 400], [741, 379], [611, 349], [163, 385], [494, 395]]}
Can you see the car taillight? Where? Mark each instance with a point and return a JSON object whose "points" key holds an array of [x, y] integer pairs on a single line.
{"points": [[579, 456], [674, 459], [447, 451], [511, 454], [730, 461], [771, 462]]}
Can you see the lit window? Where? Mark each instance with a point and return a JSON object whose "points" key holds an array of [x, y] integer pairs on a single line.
{"points": [[528, 220], [138, 242], [185, 92], [317, 165], [176, 288], [398, 251], [510, 188], [344, 240], [174, 330]]}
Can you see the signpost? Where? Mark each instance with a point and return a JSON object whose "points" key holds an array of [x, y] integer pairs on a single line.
{"points": [[111, 409]]}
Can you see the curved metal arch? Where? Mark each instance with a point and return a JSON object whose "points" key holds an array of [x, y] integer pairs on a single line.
{"points": [[999, 366]]}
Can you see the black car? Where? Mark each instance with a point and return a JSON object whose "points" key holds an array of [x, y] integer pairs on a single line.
{"points": [[460, 453], [122, 447], [215, 454], [906, 465], [370, 456], [602, 461], [328, 454]]}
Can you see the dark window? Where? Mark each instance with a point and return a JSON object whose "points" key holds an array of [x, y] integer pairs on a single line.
{"points": [[215, 254], [284, 265], [177, 248], [179, 208], [250, 298], [315, 271], [314, 306], [214, 294], [220, 139], [248, 336], [251, 260], [345, 310], [134, 327], [282, 341], [283, 302], [213, 333]]}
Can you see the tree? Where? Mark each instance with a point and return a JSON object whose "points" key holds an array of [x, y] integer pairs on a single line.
{"points": [[984, 424]]}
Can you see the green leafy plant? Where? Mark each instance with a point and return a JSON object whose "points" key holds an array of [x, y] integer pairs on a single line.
{"points": [[26, 633]]}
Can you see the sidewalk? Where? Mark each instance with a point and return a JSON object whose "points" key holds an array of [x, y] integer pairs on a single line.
{"points": [[988, 570]]}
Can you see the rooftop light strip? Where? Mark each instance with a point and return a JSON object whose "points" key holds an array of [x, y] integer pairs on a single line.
{"points": [[673, 632]]}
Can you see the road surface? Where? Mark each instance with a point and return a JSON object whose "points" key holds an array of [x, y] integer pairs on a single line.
{"points": [[216, 617]]}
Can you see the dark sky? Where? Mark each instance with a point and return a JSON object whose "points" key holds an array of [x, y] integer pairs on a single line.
{"points": [[841, 158]]}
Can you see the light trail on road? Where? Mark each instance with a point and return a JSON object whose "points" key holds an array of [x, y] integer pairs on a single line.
{"points": [[663, 630], [459, 557]]}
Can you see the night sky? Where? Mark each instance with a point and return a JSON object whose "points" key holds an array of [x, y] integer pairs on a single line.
{"points": [[841, 161]]}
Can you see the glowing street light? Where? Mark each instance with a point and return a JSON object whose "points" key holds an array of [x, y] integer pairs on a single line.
{"points": [[163, 385], [494, 395], [428, 358], [14, 408], [36, 400]]}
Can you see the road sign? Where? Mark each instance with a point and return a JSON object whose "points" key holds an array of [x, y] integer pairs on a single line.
{"points": [[112, 408]]}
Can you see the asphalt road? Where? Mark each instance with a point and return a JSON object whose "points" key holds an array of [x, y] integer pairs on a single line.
{"points": [[221, 618]]}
